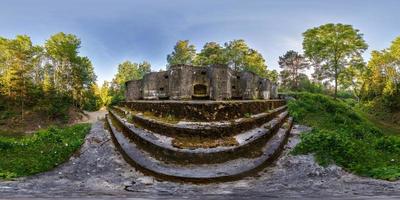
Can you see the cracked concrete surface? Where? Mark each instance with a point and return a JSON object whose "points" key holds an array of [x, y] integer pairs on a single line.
{"points": [[98, 170]]}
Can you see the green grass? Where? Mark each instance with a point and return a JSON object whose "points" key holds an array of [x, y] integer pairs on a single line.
{"points": [[344, 136], [42, 151], [385, 126]]}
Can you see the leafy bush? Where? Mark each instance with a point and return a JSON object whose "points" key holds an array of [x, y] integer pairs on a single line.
{"points": [[340, 135], [55, 107], [40, 152], [6, 114]]}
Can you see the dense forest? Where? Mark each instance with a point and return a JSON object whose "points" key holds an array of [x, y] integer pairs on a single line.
{"points": [[46, 81]]}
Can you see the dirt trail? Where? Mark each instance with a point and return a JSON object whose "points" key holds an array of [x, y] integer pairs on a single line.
{"points": [[100, 171], [93, 117]]}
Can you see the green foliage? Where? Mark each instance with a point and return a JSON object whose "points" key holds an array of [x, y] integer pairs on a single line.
{"points": [[126, 71], [49, 78], [332, 48], [211, 54], [40, 152], [292, 65], [383, 78], [183, 54], [55, 106], [18, 58], [236, 54], [131, 71], [243, 58], [104, 94], [341, 135], [272, 75]]}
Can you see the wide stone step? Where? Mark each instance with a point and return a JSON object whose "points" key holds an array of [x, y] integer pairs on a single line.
{"points": [[166, 148], [204, 110], [212, 129], [228, 170]]}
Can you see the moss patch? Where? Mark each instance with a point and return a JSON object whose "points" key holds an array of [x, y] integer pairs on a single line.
{"points": [[167, 119], [199, 142]]}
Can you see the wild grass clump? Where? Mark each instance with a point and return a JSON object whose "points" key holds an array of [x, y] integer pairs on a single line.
{"points": [[39, 152], [342, 136]]}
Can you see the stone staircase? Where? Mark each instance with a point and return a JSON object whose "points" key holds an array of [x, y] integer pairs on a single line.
{"points": [[200, 141]]}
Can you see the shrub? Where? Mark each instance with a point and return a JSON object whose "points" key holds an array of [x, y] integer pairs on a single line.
{"points": [[40, 152], [340, 135]]}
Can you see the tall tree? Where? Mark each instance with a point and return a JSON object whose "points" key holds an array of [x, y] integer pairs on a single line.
{"points": [[104, 95], [18, 60], [127, 71], [293, 65], [143, 68], [212, 53], [353, 77], [383, 77], [83, 77], [131, 71], [184, 53], [62, 50], [241, 57], [272, 75], [335, 45]]}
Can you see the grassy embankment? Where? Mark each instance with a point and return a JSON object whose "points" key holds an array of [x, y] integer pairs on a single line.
{"points": [[39, 152], [345, 136]]}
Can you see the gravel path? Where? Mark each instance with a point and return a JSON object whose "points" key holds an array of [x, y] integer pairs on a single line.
{"points": [[93, 117], [98, 170]]}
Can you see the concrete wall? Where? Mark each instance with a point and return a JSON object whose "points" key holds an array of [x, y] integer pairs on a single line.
{"points": [[264, 89], [150, 86], [201, 79], [236, 89], [182, 82], [133, 90], [249, 85], [274, 91], [220, 82]]}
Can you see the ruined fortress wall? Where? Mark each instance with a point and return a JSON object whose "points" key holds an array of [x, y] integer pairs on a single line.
{"points": [[201, 82], [249, 85], [150, 86], [163, 84], [188, 82], [265, 89], [133, 90], [220, 82], [180, 82], [236, 89], [274, 91]]}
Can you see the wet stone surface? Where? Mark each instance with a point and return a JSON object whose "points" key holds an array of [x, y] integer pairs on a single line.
{"points": [[99, 170]]}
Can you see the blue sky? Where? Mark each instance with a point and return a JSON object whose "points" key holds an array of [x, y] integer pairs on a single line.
{"points": [[117, 30]]}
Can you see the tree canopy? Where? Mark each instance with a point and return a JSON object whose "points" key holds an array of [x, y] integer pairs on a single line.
{"points": [[236, 54], [382, 80], [127, 70], [184, 53], [293, 65], [334, 47], [212, 53], [31, 75]]}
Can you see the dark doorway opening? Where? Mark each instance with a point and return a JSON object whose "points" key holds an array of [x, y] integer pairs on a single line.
{"points": [[200, 92]]}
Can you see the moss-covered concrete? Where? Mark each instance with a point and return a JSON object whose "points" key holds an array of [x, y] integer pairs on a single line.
{"points": [[204, 110]]}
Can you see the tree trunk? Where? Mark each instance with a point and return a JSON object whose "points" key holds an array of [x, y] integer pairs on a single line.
{"points": [[336, 77]]}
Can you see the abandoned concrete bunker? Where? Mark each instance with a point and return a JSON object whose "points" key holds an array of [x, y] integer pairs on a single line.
{"points": [[184, 82]]}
